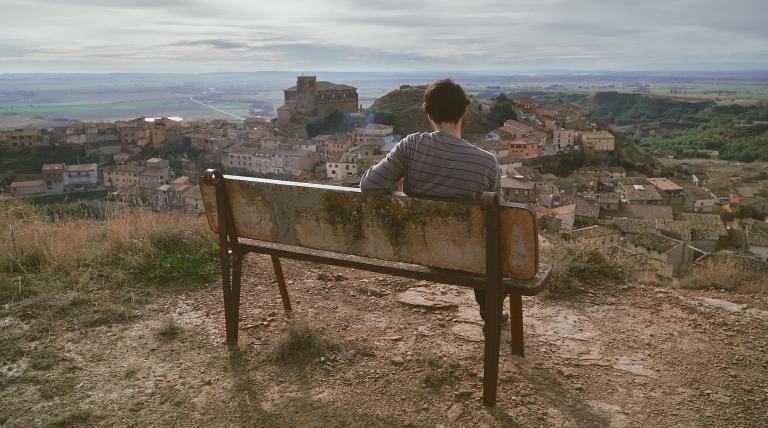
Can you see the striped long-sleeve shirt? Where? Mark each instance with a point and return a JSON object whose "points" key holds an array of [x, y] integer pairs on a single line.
{"points": [[435, 164]]}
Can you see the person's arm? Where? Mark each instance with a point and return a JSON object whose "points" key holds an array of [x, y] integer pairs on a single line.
{"points": [[384, 177]]}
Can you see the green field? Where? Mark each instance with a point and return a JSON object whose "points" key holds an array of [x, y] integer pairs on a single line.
{"points": [[42, 100]]}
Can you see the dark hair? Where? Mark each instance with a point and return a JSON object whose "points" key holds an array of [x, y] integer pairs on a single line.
{"points": [[445, 101]]}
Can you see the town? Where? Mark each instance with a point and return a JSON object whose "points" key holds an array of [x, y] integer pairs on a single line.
{"points": [[664, 223]]}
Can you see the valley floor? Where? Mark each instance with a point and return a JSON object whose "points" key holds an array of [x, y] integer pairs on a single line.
{"points": [[627, 355]]}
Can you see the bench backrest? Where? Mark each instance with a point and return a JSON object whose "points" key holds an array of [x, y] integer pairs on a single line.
{"points": [[436, 233]]}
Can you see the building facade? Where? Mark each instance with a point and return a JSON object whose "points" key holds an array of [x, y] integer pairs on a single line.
{"points": [[312, 98], [598, 141]]}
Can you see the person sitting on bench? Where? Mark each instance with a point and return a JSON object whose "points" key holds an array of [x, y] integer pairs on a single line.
{"points": [[438, 164]]}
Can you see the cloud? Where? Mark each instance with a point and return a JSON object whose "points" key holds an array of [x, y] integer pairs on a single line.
{"points": [[214, 43], [480, 35]]}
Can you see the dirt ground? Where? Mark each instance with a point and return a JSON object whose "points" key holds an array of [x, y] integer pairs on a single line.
{"points": [[626, 355]]}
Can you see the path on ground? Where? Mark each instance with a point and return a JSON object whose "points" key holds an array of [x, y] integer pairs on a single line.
{"points": [[217, 109]]}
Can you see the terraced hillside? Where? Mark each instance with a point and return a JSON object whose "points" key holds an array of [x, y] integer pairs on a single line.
{"points": [[406, 106]]}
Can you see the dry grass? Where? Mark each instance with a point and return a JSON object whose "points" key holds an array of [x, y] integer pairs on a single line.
{"points": [[169, 329], [31, 240], [76, 418], [726, 275], [140, 246], [439, 373], [299, 344], [579, 265]]}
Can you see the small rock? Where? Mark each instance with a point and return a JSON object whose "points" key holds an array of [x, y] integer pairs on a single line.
{"points": [[424, 330], [462, 395], [579, 387], [397, 360], [470, 332], [454, 412], [339, 277], [322, 276], [423, 297]]}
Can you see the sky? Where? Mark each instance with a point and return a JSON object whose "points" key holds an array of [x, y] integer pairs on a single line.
{"points": [[510, 37]]}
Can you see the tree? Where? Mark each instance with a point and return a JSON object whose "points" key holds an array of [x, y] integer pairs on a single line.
{"points": [[501, 110], [336, 121], [384, 117], [6, 179]]}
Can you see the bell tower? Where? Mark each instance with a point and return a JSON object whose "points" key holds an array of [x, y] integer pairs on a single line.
{"points": [[306, 94]]}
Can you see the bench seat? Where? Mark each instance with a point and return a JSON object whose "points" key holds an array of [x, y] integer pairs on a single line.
{"points": [[525, 287]]}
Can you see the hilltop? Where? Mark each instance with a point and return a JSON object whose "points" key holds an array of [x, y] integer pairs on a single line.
{"points": [[128, 330], [405, 104]]}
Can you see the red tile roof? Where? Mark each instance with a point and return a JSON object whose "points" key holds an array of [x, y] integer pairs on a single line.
{"points": [[665, 184]]}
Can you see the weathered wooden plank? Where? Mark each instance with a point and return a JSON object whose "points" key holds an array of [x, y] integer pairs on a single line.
{"points": [[525, 287], [441, 234]]}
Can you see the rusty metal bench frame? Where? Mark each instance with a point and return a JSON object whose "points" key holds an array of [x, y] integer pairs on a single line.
{"points": [[232, 250]]}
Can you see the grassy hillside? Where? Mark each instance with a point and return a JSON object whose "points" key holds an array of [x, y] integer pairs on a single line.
{"points": [[622, 109], [77, 250], [744, 144], [688, 129], [405, 105]]}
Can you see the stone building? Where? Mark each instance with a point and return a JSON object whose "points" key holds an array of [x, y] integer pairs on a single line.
{"points": [[53, 175], [312, 98], [23, 138], [81, 176], [671, 258], [757, 238], [599, 236], [122, 176], [518, 189], [598, 141], [27, 187], [671, 193], [346, 165]]}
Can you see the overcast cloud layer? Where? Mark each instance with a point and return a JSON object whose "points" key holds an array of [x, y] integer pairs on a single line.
{"points": [[519, 36]]}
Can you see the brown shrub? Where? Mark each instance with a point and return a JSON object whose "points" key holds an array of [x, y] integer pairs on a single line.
{"points": [[576, 265], [727, 275], [300, 343], [169, 329]]}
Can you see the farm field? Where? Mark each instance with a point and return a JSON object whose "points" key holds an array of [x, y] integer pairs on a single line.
{"points": [[41, 100]]}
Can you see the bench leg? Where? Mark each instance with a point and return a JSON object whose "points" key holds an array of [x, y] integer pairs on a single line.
{"points": [[237, 273], [231, 278], [281, 286], [516, 323], [492, 343]]}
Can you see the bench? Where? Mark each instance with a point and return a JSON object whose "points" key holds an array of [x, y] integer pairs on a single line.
{"points": [[490, 245]]}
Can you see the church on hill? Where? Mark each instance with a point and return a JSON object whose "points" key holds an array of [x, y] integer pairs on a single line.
{"points": [[312, 98]]}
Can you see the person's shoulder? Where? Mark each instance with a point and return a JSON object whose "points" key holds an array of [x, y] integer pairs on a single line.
{"points": [[417, 136], [414, 138], [490, 157]]}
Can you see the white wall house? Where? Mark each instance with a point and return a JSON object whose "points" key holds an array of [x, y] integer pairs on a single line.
{"points": [[82, 175], [343, 166]]}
